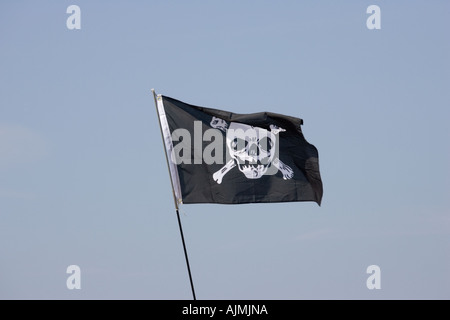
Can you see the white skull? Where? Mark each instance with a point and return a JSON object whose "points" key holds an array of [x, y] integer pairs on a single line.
{"points": [[252, 148]]}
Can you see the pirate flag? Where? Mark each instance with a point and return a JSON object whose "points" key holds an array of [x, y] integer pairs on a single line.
{"points": [[217, 156]]}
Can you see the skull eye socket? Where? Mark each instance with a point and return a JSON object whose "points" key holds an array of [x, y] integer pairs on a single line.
{"points": [[265, 144], [238, 144]]}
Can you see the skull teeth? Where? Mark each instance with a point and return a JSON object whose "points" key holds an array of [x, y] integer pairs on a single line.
{"points": [[253, 163], [253, 167]]}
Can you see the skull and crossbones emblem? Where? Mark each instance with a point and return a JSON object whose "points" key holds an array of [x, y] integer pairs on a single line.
{"points": [[252, 149]]}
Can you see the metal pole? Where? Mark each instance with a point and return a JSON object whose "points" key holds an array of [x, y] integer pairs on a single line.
{"points": [[186, 255], [175, 199]]}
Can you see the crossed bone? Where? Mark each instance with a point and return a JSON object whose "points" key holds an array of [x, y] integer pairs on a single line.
{"points": [[287, 172]]}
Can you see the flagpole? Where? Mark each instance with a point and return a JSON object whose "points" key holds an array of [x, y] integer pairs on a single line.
{"points": [[174, 198]]}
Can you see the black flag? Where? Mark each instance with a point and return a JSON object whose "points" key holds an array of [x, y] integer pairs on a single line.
{"points": [[217, 156]]}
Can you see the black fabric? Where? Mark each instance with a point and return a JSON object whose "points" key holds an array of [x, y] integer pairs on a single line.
{"points": [[198, 185]]}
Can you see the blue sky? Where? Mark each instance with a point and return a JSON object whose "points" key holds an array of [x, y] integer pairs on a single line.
{"points": [[83, 178]]}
